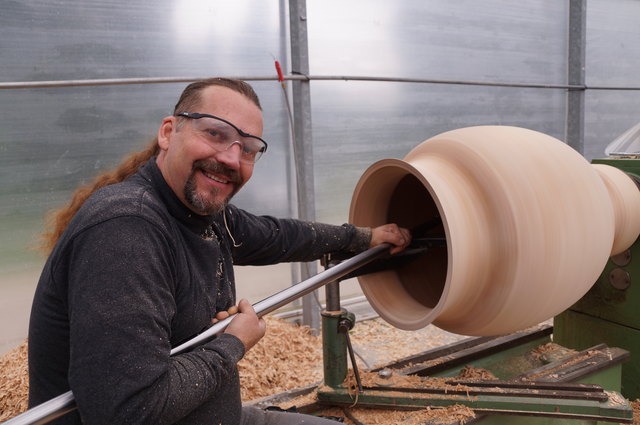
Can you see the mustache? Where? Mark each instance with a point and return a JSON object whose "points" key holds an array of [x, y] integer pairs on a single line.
{"points": [[215, 167]]}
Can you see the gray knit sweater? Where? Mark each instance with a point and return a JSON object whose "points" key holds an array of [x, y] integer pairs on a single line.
{"points": [[137, 273]]}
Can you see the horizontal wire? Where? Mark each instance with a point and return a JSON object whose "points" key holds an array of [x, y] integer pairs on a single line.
{"points": [[295, 77]]}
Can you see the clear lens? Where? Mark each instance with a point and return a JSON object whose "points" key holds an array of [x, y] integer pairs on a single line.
{"points": [[222, 136]]}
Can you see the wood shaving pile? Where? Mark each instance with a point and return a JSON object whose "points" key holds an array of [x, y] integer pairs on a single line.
{"points": [[456, 414], [301, 401], [564, 364], [14, 382], [381, 343], [545, 348], [636, 411], [476, 374], [370, 379], [551, 351], [287, 357]]}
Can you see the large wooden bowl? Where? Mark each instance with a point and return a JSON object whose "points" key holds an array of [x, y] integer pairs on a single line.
{"points": [[529, 226]]}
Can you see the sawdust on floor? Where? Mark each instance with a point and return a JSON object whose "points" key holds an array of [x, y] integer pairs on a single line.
{"points": [[288, 357], [636, 411], [14, 382], [456, 414], [378, 343]]}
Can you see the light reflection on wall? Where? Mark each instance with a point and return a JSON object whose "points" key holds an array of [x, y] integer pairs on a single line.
{"points": [[358, 38], [199, 24]]}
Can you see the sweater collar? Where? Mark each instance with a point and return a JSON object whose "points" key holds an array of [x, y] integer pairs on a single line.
{"points": [[195, 222]]}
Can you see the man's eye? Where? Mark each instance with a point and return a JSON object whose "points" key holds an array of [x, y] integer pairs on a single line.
{"points": [[213, 133]]}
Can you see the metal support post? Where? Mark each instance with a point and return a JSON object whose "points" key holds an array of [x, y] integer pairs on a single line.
{"points": [[334, 346], [332, 289], [302, 141], [332, 296], [576, 74]]}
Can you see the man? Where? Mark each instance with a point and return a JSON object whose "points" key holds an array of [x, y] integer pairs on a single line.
{"points": [[145, 264]]}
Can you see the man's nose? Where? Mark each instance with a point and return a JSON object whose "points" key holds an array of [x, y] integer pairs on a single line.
{"points": [[231, 155]]}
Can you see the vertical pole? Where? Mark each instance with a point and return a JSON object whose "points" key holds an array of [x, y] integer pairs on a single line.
{"points": [[334, 349], [576, 74], [292, 184], [332, 296], [302, 138]]}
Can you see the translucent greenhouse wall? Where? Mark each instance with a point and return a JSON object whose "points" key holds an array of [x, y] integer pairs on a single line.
{"points": [[52, 139]]}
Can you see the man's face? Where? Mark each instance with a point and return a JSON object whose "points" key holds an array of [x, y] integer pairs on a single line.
{"points": [[203, 177]]}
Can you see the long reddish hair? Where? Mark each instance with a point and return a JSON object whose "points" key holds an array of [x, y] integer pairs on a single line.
{"points": [[58, 220]]}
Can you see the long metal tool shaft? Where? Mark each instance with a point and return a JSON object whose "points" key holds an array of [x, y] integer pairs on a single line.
{"points": [[65, 403]]}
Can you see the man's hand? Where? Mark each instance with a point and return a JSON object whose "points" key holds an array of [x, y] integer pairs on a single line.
{"points": [[221, 315], [392, 234], [246, 325]]}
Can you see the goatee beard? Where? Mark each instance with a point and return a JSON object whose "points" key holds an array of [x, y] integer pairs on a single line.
{"points": [[207, 205]]}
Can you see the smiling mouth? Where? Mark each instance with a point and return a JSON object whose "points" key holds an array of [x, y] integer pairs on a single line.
{"points": [[215, 178], [217, 172]]}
